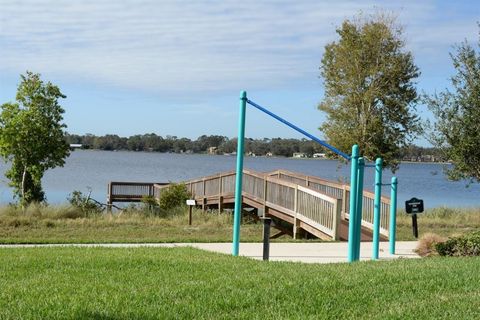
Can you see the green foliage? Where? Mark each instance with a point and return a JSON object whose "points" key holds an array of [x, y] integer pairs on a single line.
{"points": [[32, 136], [149, 201], [152, 142], [457, 113], [370, 92], [174, 195], [465, 245], [78, 200]]}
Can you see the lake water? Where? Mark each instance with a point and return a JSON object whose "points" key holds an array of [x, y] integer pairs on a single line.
{"points": [[94, 169]]}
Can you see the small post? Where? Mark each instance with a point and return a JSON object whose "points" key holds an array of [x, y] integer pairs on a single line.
{"points": [[414, 225], [376, 207], [353, 203], [238, 179], [358, 218], [266, 237], [393, 214], [109, 198], [337, 219], [190, 216], [190, 204]]}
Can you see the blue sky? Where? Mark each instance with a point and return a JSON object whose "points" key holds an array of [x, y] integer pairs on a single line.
{"points": [[177, 67]]}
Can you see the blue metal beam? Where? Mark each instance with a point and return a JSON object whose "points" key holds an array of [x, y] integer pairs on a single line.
{"points": [[291, 125]]}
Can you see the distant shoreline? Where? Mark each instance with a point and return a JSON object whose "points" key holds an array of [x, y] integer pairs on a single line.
{"points": [[246, 155]]}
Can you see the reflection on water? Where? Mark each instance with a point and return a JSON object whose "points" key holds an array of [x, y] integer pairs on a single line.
{"points": [[86, 168]]}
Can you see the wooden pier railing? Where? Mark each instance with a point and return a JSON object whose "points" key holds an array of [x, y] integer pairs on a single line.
{"points": [[302, 206], [315, 205], [342, 191], [130, 191]]}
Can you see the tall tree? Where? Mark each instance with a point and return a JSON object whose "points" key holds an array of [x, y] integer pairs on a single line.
{"points": [[32, 136], [456, 131], [370, 93]]}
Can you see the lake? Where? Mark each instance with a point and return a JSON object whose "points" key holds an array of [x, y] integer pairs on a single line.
{"points": [[94, 169]]}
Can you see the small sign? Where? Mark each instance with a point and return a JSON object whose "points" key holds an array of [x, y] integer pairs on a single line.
{"points": [[191, 203], [414, 206]]}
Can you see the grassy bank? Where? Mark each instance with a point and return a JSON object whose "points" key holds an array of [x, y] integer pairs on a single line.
{"points": [[185, 283], [63, 224], [442, 221]]}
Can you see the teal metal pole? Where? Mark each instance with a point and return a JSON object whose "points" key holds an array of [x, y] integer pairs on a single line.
{"points": [[358, 218], [376, 207], [353, 203], [239, 175], [393, 214]]}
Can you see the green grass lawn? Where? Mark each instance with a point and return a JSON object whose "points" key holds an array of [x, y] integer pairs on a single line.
{"points": [[185, 283]]}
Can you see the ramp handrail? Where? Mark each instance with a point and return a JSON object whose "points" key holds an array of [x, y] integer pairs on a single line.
{"points": [[342, 191], [303, 203]]}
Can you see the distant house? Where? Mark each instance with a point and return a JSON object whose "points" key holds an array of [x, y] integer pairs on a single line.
{"points": [[76, 145], [212, 150], [319, 155], [299, 155]]}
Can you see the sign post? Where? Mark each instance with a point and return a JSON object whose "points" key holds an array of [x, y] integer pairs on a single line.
{"points": [[190, 204], [414, 206]]}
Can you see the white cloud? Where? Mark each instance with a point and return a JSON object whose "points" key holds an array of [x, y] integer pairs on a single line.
{"points": [[190, 46]]}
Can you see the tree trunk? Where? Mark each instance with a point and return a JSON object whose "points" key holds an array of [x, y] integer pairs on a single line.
{"points": [[23, 184]]}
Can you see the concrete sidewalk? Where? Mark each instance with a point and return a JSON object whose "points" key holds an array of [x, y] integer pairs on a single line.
{"points": [[324, 252], [320, 252]]}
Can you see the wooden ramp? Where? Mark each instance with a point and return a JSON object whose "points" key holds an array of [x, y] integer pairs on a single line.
{"points": [[309, 204]]}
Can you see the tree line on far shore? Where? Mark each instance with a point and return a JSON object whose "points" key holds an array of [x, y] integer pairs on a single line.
{"points": [[216, 144]]}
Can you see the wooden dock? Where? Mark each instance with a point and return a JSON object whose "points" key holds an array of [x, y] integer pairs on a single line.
{"points": [[131, 191], [309, 204]]}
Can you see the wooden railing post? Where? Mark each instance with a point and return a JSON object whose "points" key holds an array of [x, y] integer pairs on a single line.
{"points": [[264, 195], [220, 195], [343, 207], [295, 209], [337, 217], [109, 197], [204, 198]]}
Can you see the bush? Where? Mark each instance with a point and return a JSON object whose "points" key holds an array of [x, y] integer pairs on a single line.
{"points": [[174, 195], [466, 245], [88, 206], [427, 244]]}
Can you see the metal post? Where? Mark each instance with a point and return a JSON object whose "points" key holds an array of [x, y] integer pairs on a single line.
{"points": [[353, 203], [239, 174], [415, 225], [266, 238], [359, 209], [376, 207], [190, 215], [393, 215]]}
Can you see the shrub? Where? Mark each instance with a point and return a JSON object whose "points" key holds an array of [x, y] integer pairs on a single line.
{"points": [[427, 244], [88, 206], [174, 195], [466, 245], [149, 201]]}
